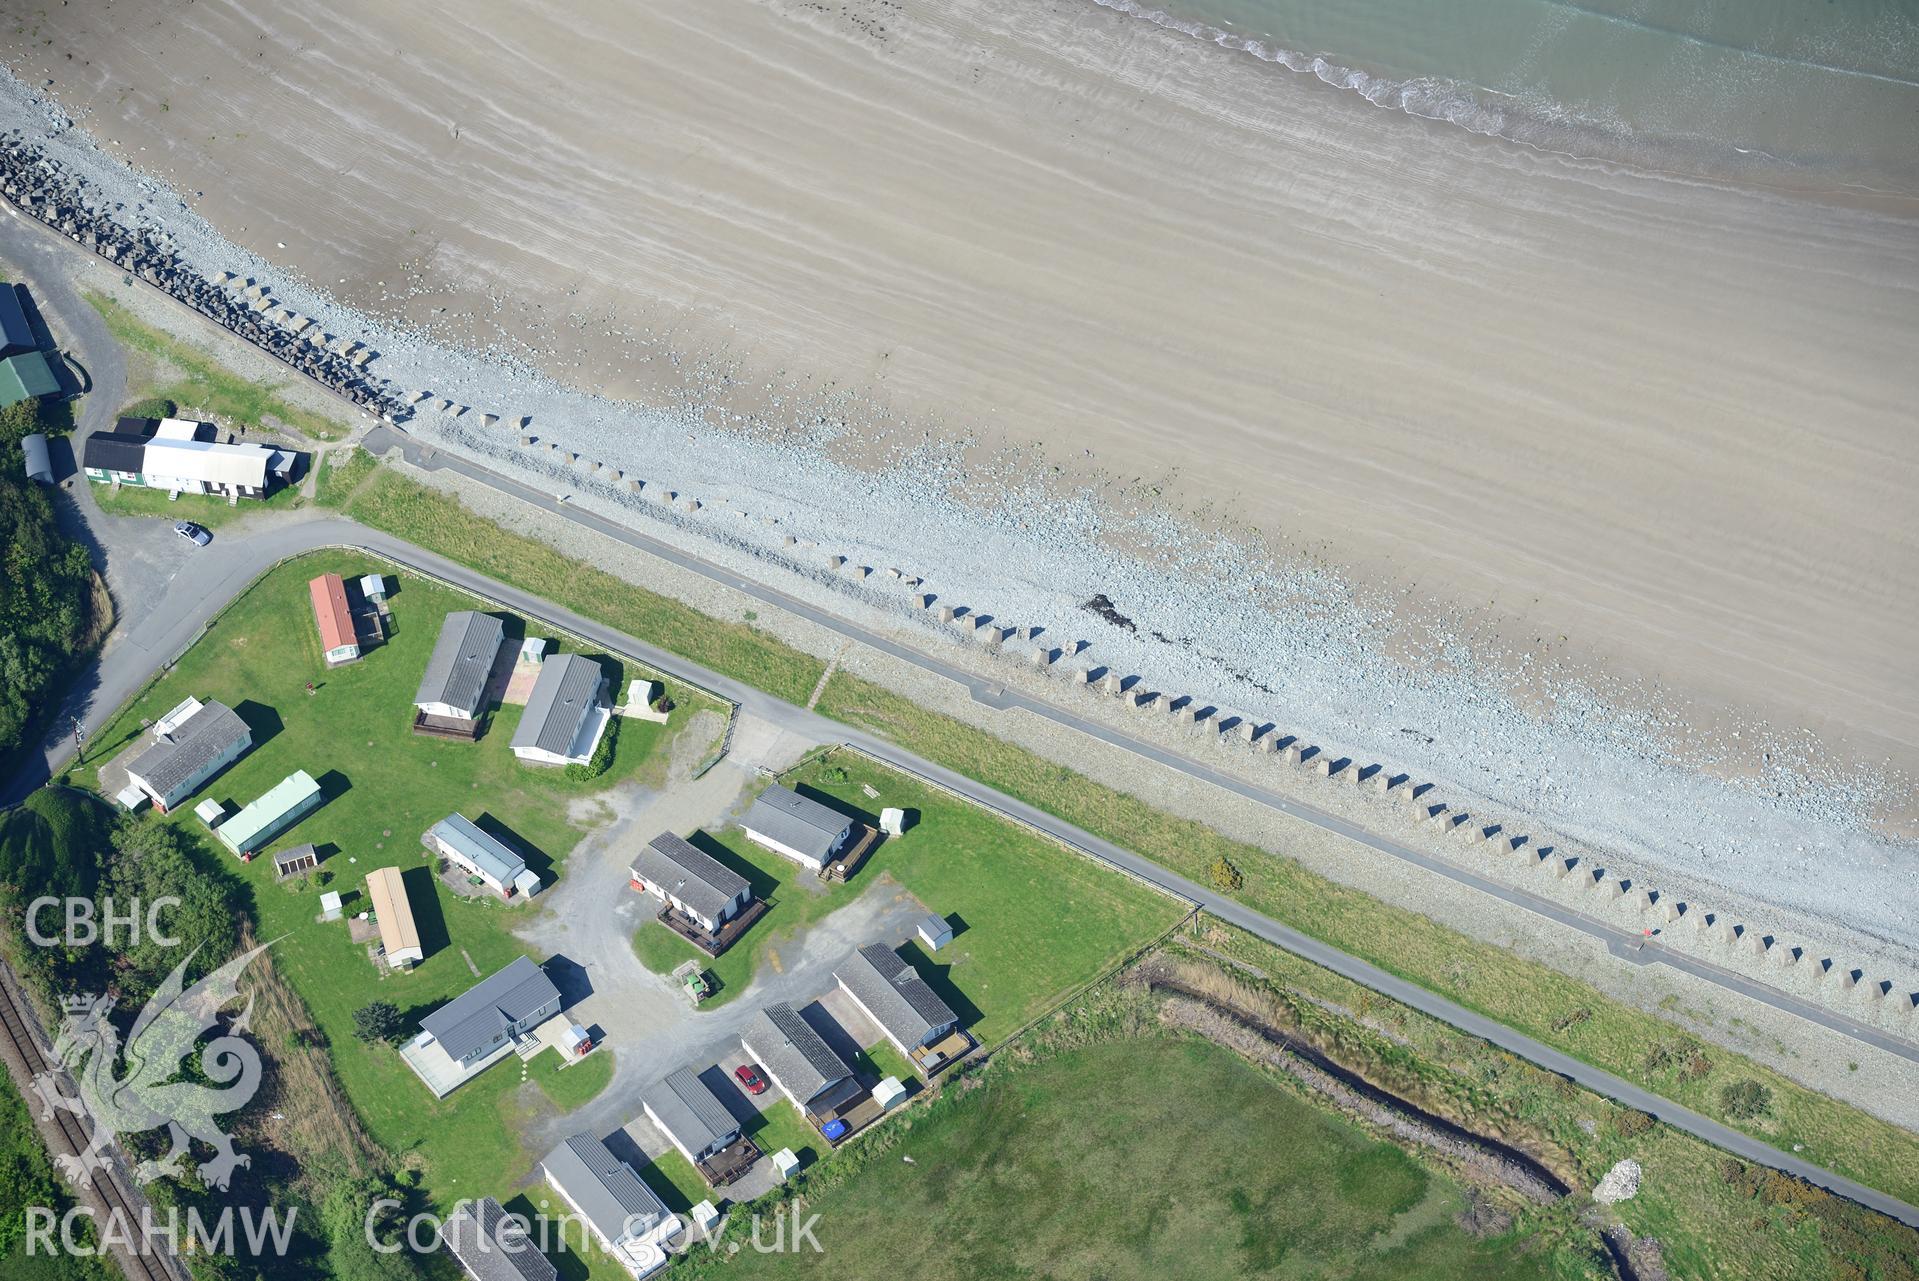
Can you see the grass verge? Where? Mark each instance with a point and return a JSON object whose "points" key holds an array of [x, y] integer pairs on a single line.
{"points": [[1533, 998], [198, 383], [439, 523], [202, 509]]}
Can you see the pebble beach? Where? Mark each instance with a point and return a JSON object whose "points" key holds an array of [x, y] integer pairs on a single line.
{"points": [[1664, 616]]}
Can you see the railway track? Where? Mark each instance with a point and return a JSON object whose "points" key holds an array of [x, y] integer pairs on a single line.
{"points": [[141, 1257]]}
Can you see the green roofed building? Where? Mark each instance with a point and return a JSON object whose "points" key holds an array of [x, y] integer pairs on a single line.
{"points": [[26, 376], [286, 803]]}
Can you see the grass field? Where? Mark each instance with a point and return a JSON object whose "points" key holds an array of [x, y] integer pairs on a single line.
{"points": [[435, 521], [576, 1084], [1523, 994], [1037, 922], [1141, 1158], [385, 786], [198, 383], [1744, 1228], [203, 509]]}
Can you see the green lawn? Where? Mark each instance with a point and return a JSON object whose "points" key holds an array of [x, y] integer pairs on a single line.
{"points": [[880, 1059], [1038, 921], [438, 522], [1523, 994], [203, 509], [1139, 1158], [673, 1178], [385, 786], [198, 383], [781, 1126], [576, 1084]]}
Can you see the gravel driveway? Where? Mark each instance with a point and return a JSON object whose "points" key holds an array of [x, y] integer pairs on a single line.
{"points": [[590, 920]]}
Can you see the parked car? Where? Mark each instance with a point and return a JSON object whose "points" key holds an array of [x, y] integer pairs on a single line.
{"points": [[751, 1079], [834, 1130], [193, 533]]}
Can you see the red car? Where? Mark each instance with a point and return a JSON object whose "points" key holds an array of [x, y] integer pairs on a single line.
{"points": [[750, 1078]]}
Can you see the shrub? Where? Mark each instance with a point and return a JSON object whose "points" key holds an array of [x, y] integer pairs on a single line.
{"points": [[1572, 1019], [1744, 1100], [602, 759], [1630, 1123], [1226, 877], [378, 1022], [1782, 1189], [152, 407], [21, 418]]}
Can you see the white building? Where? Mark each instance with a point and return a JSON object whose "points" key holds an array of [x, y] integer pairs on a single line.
{"points": [[674, 871], [797, 827], [471, 848], [627, 1218], [566, 713], [191, 744]]}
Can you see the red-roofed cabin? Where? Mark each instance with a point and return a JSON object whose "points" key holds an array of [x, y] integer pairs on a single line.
{"points": [[337, 635]]}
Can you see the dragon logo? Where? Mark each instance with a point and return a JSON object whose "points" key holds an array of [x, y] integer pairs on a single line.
{"points": [[150, 1096]]}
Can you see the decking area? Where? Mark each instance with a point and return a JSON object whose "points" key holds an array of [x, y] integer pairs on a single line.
{"points": [[438, 1071], [933, 1059], [454, 727], [730, 1163], [712, 942], [846, 864]]}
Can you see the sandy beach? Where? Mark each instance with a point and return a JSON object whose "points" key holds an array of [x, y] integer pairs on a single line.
{"points": [[1634, 432]]}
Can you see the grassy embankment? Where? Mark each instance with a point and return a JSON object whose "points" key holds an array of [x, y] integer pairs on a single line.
{"points": [[199, 384], [1534, 998], [1713, 1216], [432, 520], [1553, 1007], [1546, 1004], [385, 786]]}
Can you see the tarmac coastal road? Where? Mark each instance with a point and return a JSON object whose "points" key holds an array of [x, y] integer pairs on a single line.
{"points": [[211, 578], [1628, 945]]}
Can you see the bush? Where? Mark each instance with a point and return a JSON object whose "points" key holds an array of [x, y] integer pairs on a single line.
{"points": [[1572, 1019], [1630, 1123], [378, 1023], [21, 418], [1226, 877], [152, 407], [1744, 1100], [602, 759]]}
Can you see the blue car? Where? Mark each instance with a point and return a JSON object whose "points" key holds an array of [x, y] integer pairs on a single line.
{"points": [[834, 1131]]}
